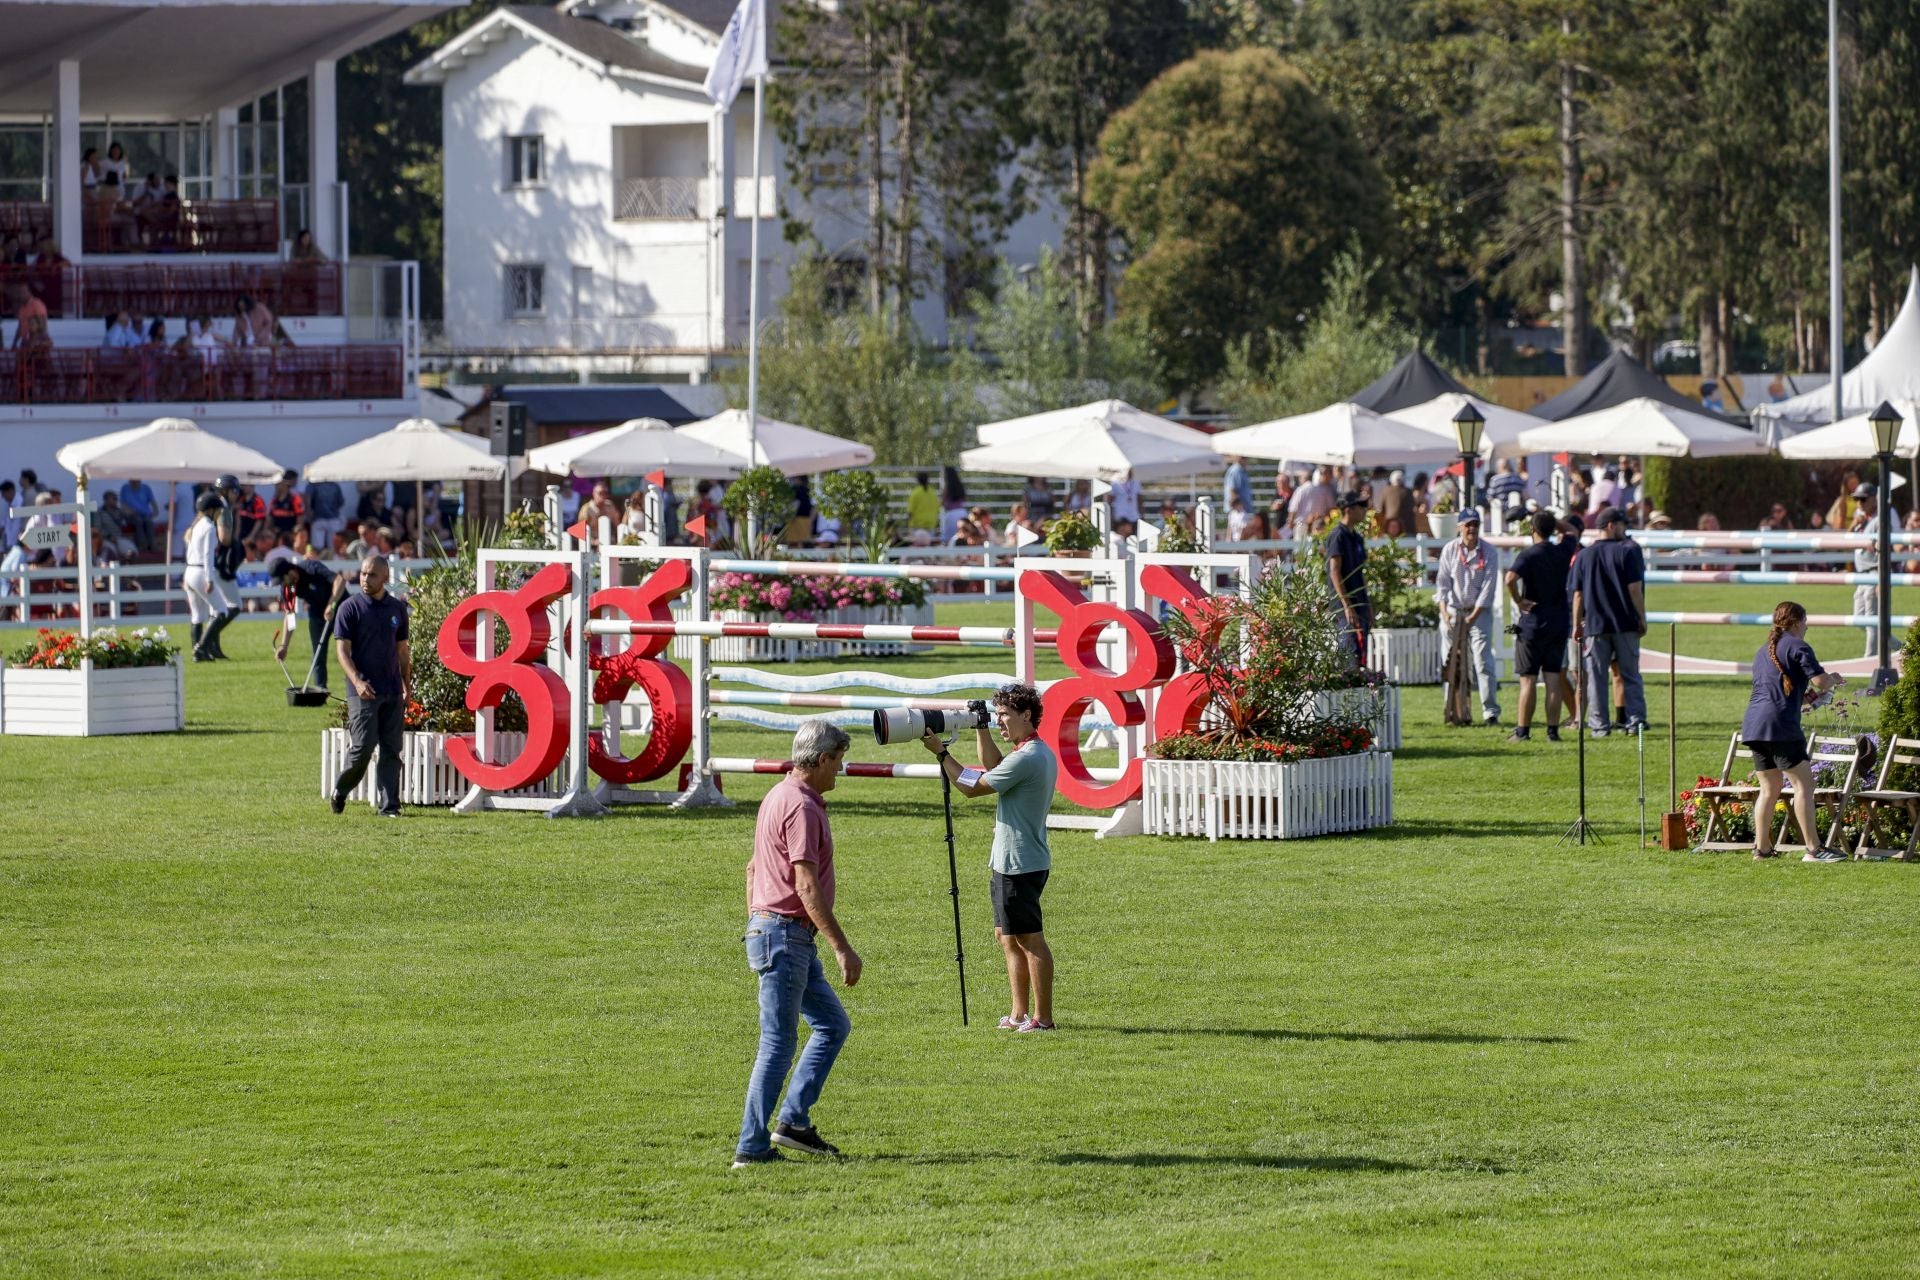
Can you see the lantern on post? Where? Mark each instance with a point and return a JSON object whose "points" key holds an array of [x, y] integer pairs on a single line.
{"points": [[1468, 425], [1886, 435]]}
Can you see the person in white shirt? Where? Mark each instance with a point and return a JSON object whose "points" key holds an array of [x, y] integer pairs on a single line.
{"points": [[1125, 499], [1239, 520], [209, 602], [1464, 588], [1866, 598], [116, 164], [1310, 505]]}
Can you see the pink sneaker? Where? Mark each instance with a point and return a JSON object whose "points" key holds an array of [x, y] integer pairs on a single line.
{"points": [[1034, 1024], [1011, 1023]]}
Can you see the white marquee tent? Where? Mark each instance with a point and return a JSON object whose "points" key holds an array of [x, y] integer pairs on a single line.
{"points": [[1106, 413], [797, 451], [1094, 450], [1500, 435], [1341, 435], [1645, 428], [636, 447], [1853, 437], [1891, 371]]}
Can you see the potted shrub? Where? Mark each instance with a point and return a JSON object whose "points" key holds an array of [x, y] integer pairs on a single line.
{"points": [[1281, 745], [64, 684], [1404, 645]]}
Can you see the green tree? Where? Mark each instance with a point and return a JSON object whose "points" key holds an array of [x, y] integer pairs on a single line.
{"points": [[1038, 355], [1233, 187]]}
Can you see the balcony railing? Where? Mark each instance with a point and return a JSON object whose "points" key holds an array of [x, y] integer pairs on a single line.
{"points": [[187, 226], [180, 289], [639, 199], [66, 375]]}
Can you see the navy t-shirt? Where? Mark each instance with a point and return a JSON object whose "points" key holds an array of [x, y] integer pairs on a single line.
{"points": [[1773, 712], [316, 584], [1350, 549], [1543, 569], [1602, 575], [375, 629]]}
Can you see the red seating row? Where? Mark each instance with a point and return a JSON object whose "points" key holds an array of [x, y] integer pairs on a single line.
{"points": [[182, 289], [191, 226], [73, 376]]}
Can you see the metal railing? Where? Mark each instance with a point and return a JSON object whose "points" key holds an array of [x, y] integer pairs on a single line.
{"points": [[143, 375], [146, 593], [180, 288], [641, 199]]}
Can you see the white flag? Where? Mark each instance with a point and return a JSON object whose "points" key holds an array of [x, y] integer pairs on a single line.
{"points": [[742, 54]]}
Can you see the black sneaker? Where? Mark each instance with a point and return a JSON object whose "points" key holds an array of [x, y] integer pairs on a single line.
{"points": [[1553, 734], [747, 1159], [807, 1140], [1521, 735], [337, 802]]}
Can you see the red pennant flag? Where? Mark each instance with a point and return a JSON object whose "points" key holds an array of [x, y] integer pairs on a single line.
{"points": [[578, 530], [658, 479], [697, 526]]}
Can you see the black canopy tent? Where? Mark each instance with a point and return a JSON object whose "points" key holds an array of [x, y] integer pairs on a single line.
{"points": [[1414, 380], [1616, 380]]}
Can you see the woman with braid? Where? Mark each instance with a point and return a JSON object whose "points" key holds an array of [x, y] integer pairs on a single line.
{"points": [[1786, 677]]}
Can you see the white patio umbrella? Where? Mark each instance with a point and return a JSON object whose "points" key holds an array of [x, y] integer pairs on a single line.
{"points": [[419, 450], [1853, 437], [1643, 428], [637, 447], [796, 450], [1107, 413], [172, 449], [1340, 435], [1499, 437], [1094, 450]]}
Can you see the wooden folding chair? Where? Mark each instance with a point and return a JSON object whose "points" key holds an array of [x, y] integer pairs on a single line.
{"points": [[1900, 751], [1724, 792], [1854, 756]]}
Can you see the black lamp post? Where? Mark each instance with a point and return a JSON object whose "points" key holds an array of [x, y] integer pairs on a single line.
{"points": [[1468, 424], [1886, 435]]}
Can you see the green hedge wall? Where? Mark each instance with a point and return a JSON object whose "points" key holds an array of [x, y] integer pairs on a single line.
{"points": [[1738, 490]]}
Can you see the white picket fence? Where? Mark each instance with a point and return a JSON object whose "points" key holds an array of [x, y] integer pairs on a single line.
{"points": [[427, 777], [1236, 800], [1385, 722], [1405, 655]]}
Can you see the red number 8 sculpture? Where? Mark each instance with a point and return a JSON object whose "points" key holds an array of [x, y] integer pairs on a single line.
{"points": [[668, 690], [1065, 702], [542, 691]]}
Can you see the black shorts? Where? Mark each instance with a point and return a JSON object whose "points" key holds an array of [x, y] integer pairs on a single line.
{"points": [[1537, 652], [1016, 901], [1784, 753]]}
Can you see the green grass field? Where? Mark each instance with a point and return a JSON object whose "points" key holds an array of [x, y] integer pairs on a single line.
{"points": [[242, 1036]]}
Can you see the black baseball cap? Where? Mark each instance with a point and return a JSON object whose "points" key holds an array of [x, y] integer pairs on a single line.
{"points": [[279, 569], [1352, 498], [1612, 515]]}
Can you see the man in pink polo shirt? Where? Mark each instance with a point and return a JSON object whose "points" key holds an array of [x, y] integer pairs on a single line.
{"points": [[789, 902]]}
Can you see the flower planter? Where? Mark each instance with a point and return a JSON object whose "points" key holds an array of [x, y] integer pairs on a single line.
{"points": [[1237, 800], [1405, 655], [427, 777], [88, 701], [737, 649], [1351, 702]]}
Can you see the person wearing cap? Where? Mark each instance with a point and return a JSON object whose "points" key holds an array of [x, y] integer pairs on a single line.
{"points": [[1346, 566], [1464, 589], [210, 605], [323, 590], [1609, 617], [1866, 599]]}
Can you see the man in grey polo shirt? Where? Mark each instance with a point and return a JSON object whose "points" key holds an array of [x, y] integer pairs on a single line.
{"points": [[1022, 782]]}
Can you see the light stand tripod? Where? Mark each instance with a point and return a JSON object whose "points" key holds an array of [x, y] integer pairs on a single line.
{"points": [[1581, 831], [953, 883]]}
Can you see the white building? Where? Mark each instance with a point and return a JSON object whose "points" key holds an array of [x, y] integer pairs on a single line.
{"points": [[598, 207], [196, 90]]}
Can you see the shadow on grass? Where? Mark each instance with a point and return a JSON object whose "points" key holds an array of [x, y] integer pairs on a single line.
{"points": [[1364, 1037], [1311, 1164]]}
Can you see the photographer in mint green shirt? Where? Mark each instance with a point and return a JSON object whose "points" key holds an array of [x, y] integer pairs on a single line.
{"points": [[1022, 782]]}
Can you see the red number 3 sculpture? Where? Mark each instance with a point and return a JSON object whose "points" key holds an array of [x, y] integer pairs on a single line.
{"points": [[668, 690], [540, 689], [1066, 701]]}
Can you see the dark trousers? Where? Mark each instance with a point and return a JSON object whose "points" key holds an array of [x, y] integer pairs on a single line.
{"points": [[381, 720], [317, 630]]}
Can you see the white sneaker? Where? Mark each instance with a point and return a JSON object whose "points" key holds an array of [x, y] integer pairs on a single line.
{"points": [[1823, 855], [1011, 1023]]}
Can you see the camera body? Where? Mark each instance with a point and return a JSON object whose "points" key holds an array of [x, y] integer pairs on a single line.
{"points": [[906, 724]]}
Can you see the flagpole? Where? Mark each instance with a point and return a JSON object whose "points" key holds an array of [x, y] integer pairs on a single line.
{"points": [[753, 278]]}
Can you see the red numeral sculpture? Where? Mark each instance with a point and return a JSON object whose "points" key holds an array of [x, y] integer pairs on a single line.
{"points": [[668, 690], [542, 691], [1181, 700], [1065, 702]]}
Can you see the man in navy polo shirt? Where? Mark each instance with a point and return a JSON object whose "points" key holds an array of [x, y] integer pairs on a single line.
{"points": [[1610, 615], [370, 641]]}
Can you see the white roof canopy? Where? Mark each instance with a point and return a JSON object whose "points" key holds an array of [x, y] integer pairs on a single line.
{"points": [[166, 449], [1090, 449], [1853, 437], [1890, 372], [1106, 413], [416, 450], [797, 451], [1340, 435], [1499, 437], [1644, 428], [636, 448]]}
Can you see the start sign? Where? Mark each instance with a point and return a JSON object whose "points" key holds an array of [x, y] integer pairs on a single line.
{"points": [[47, 538]]}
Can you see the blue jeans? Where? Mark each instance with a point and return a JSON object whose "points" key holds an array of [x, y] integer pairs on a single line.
{"points": [[1602, 651], [792, 986]]}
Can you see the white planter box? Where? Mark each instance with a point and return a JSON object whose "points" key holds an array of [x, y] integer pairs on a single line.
{"points": [[746, 649], [1385, 725], [1243, 801], [89, 702], [427, 777], [1405, 655]]}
